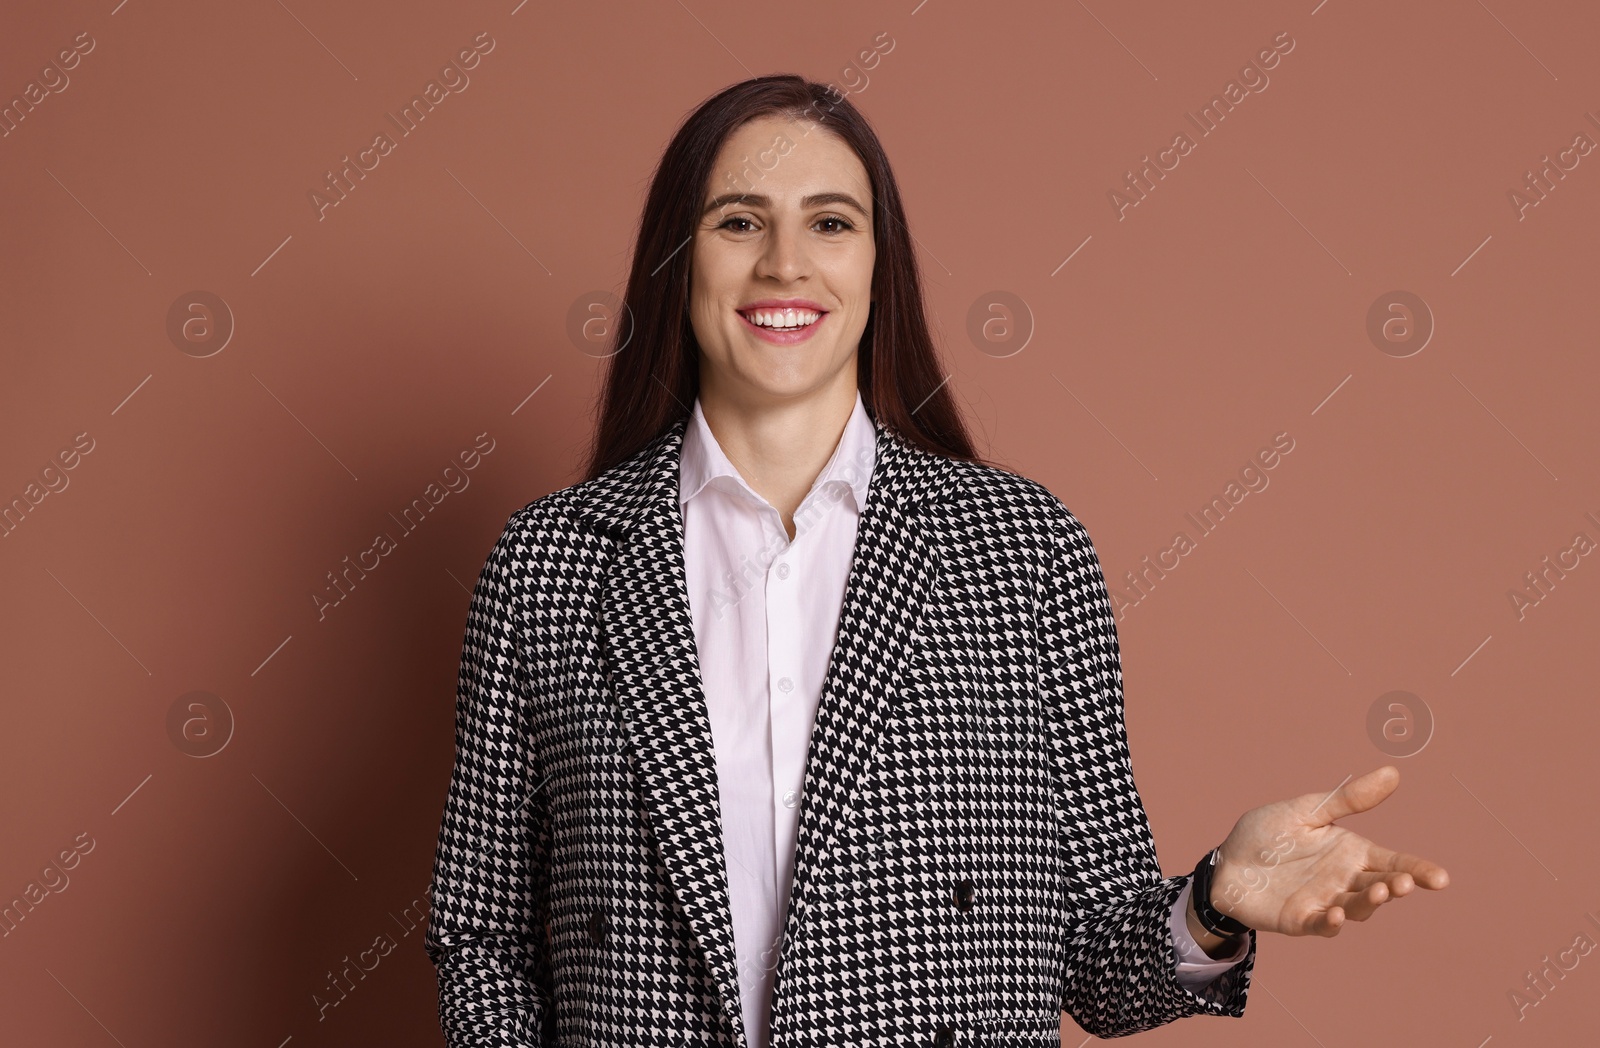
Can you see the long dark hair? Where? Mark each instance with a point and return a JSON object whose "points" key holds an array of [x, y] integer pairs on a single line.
{"points": [[652, 379]]}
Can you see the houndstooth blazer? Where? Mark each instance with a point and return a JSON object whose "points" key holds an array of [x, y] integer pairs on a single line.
{"points": [[972, 856]]}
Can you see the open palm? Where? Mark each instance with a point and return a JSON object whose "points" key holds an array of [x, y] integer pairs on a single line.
{"points": [[1286, 868]]}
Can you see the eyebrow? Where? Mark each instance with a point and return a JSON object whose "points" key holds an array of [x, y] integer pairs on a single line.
{"points": [[757, 200]]}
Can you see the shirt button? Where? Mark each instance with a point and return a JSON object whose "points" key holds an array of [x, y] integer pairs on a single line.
{"points": [[790, 799], [783, 571], [785, 684]]}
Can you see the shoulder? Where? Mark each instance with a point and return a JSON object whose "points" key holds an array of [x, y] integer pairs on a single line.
{"points": [[551, 514], [1012, 503], [544, 532], [575, 525]]}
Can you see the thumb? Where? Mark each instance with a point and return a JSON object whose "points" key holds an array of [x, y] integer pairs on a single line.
{"points": [[1357, 795]]}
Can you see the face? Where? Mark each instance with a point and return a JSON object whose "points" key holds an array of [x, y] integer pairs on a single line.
{"points": [[799, 238]]}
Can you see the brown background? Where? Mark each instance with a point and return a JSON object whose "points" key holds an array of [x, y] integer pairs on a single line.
{"points": [[370, 346]]}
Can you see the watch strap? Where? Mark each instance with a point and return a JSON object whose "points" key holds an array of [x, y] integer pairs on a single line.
{"points": [[1212, 919]]}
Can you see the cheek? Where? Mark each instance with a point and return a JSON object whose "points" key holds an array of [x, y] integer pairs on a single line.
{"points": [[849, 273], [861, 285], [709, 277], [702, 307], [864, 270]]}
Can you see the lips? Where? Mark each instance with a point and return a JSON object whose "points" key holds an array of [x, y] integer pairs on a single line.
{"points": [[783, 321], [782, 312]]}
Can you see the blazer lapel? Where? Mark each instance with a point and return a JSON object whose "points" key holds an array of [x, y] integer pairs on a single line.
{"points": [[648, 634], [894, 571]]}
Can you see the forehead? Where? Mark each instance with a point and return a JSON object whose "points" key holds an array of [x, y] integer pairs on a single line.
{"points": [[780, 157]]}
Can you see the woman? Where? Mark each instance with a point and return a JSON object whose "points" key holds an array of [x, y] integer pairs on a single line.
{"points": [[796, 722]]}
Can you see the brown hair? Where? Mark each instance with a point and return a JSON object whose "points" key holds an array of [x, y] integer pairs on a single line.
{"points": [[653, 376]]}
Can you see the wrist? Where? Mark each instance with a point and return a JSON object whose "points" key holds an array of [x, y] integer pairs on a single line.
{"points": [[1217, 925], [1213, 944]]}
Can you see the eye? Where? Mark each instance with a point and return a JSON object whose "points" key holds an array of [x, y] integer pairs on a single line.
{"points": [[845, 222], [736, 218]]}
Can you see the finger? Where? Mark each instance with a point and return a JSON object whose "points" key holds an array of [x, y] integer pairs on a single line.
{"points": [[1397, 884], [1360, 905], [1360, 880], [1329, 922], [1428, 874], [1357, 795], [1306, 917]]}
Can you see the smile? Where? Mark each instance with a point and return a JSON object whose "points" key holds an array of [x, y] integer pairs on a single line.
{"points": [[782, 326]]}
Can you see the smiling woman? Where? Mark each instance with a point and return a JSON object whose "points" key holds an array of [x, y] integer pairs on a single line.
{"points": [[791, 203], [795, 721], [779, 357]]}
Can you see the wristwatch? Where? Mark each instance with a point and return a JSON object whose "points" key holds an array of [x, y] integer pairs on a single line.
{"points": [[1212, 919]]}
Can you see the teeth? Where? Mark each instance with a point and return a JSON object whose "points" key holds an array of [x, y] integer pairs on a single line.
{"points": [[782, 319]]}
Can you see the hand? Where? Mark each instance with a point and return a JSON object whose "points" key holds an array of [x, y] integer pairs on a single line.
{"points": [[1286, 868]]}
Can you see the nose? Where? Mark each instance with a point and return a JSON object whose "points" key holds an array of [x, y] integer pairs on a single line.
{"points": [[784, 257]]}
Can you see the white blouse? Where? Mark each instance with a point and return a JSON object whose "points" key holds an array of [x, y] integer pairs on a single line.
{"points": [[765, 611]]}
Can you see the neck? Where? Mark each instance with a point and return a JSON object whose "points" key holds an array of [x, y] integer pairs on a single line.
{"points": [[780, 448]]}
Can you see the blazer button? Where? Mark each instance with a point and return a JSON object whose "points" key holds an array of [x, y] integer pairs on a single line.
{"points": [[599, 924], [944, 1037], [963, 894]]}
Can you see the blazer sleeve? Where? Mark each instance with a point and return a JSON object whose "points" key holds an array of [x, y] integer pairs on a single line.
{"points": [[1119, 974], [486, 932]]}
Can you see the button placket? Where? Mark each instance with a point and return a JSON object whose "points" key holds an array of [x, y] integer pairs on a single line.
{"points": [[783, 697]]}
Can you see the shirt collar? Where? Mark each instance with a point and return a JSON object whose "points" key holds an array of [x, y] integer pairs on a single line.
{"points": [[701, 459]]}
